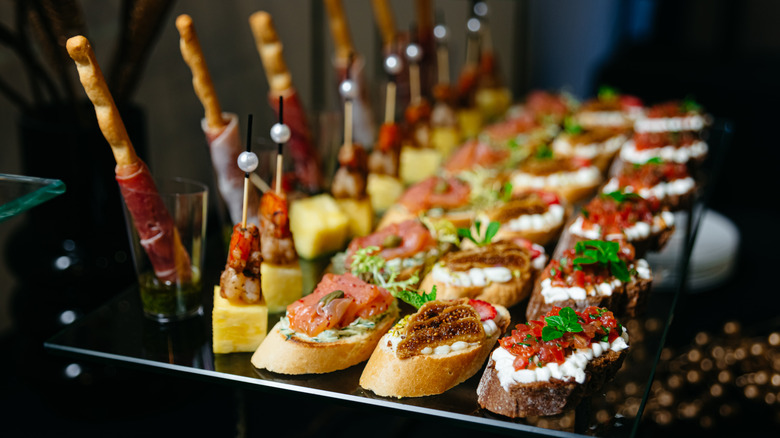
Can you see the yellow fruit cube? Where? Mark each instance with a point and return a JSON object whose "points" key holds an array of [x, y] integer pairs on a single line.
{"points": [[493, 102], [416, 164], [360, 214], [445, 139], [318, 226], [383, 190], [470, 122], [281, 285], [237, 327]]}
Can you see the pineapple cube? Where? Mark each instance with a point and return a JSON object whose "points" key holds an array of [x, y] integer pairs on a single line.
{"points": [[493, 102], [445, 139], [360, 214], [470, 122], [318, 226], [418, 163], [383, 190], [237, 327], [281, 285]]}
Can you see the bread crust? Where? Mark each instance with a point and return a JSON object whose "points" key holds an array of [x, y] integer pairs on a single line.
{"points": [[545, 398], [295, 356], [422, 375], [627, 300]]}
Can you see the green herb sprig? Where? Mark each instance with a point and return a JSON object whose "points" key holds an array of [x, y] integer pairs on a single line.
{"points": [[604, 253], [620, 196], [543, 152], [567, 321], [490, 232], [366, 262], [607, 93], [571, 126]]}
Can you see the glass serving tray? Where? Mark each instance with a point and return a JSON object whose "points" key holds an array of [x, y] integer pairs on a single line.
{"points": [[118, 333], [21, 193]]}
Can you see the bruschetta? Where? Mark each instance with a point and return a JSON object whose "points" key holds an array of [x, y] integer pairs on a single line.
{"points": [[435, 197], [535, 215], [431, 351], [600, 145], [609, 109], [624, 216], [572, 178], [593, 273], [335, 327], [671, 183], [547, 366]]}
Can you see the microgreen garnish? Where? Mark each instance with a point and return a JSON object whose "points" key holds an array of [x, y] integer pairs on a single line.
{"points": [[604, 253], [416, 299], [513, 144], [553, 271], [364, 262], [621, 197], [607, 94], [565, 322], [544, 152], [654, 160], [490, 232], [571, 126]]}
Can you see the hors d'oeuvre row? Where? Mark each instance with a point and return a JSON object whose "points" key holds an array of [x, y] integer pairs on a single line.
{"points": [[624, 216], [670, 131], [573, 178], [431, 351], [547, 366], [609, 109], [593, 273], [600, 145]]}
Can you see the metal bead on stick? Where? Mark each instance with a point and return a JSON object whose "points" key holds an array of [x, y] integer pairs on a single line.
{"points": [[247, 161], [280, 134]]}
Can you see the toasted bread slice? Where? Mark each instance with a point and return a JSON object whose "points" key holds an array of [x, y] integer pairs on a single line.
{"points": [[293, 355], [388, 375], [545, 397]]}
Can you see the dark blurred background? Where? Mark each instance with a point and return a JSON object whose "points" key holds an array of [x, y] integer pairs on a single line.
{"points": [[725, 54]]}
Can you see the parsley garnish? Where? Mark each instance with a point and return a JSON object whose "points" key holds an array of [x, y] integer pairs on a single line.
{"points": [[416, 299], [604, 253], [571, 126], [506, 193], [689, 105], [565, 322], [585, 212], [544, 152], [490, 232], [607, 94], [621, 197]]}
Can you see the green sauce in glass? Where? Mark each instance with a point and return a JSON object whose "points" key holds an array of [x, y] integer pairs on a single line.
{"points": [[170, 301]]}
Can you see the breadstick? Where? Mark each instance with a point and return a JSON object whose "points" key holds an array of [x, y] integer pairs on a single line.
{"points": [[339, 28], [270, 49], [201, 79], [108, 117], [385, 21]]}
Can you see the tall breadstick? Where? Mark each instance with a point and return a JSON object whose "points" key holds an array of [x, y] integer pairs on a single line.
{"points": [[339, 28], [201, 79], [301, 145], [385, 22], [271, 50], [159, 236], [94, 84]]}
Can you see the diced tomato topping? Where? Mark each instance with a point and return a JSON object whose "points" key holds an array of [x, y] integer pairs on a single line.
{"points": [[613, 216], [530, 350]]}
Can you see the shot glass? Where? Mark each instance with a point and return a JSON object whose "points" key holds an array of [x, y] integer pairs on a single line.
{"points": [[169, 259]]}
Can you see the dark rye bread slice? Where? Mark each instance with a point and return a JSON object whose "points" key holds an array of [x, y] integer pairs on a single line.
{"points": [[628, 300], [545, 398]]}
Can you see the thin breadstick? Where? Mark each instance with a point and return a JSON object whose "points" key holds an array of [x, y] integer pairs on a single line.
{"points": [[385, 21], [109, 120], [201, 79], [339, 28], [271, 51]]}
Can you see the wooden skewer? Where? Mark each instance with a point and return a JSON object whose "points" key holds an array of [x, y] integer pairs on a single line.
{"points": [[201, 79], [348, 122], [246, 174], [414, 82], [390, 103], [443, 58], [109, 120]]}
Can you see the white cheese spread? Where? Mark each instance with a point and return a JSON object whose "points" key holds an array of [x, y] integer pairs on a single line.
{"points": [[394, 336], [631, 154], [661, 190], [409, 262], [585, 176], [554, 294], [552, 218], [563, 146], [478, 277], [670, 124], [572, 369], [576, 229]]}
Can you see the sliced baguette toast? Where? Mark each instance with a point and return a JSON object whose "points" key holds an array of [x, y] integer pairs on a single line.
{"points": [[293, 355], [388, 375]]}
